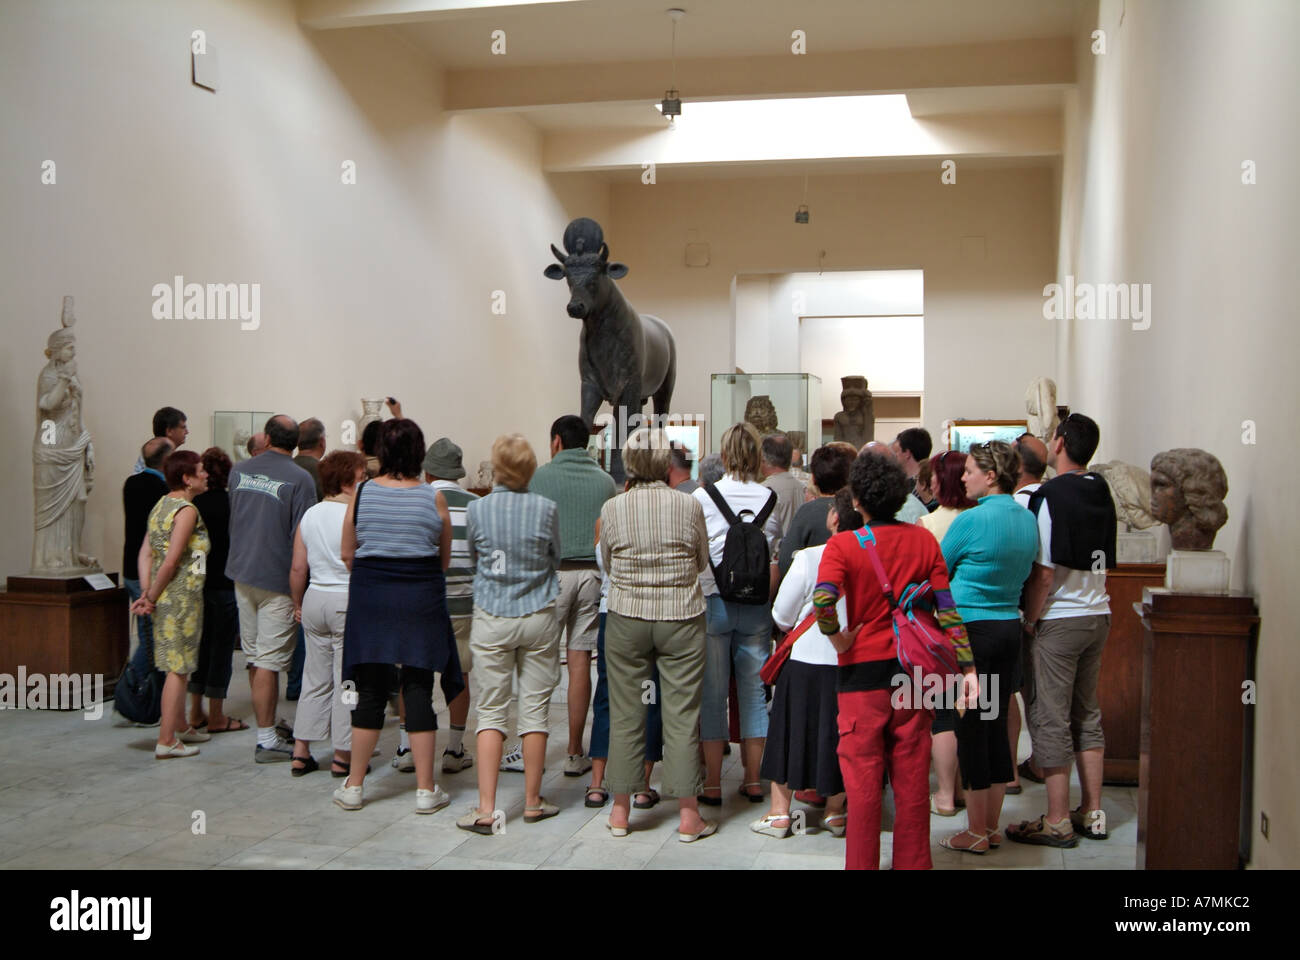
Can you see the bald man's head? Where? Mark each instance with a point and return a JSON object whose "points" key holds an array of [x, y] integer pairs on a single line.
{"points": [[1033, 459], [155, 451], [282, 432], [875, 446]]}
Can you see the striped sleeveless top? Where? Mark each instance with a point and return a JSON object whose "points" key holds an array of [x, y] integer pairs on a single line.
{"points": [[397, 522]]}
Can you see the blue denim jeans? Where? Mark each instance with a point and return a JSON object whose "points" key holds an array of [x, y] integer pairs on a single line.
{"points": [[142, 656], [654, 730], [293, 685], [739, 637]]}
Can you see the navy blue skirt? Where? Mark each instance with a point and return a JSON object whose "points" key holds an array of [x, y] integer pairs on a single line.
{"points": [[397, 613]]}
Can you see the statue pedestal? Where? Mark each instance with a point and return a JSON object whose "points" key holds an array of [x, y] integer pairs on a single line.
{"points": [[1197, 742], [1198, 571], [62, 625], [1139, 546]]}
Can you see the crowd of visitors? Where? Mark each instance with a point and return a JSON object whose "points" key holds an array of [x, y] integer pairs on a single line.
{"points": [[733, 598]]}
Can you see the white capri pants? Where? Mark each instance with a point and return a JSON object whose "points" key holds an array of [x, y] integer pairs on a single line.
{"points": [[322, 714]]}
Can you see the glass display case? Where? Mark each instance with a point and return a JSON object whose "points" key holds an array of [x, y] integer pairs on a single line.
{"points": [[232, 428], [788, 402]]}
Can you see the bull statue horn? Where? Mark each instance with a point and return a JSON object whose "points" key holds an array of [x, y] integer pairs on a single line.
{"points": [[604, 252], [558, 256]]}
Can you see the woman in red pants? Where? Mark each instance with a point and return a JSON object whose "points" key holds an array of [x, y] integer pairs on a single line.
{"points": [[876, 733]]}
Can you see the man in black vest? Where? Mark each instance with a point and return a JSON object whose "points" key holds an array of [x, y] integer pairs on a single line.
{"points": [[1067, 618], [139, 495]]}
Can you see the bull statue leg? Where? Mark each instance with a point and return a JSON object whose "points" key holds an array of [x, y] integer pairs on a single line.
{"points": [[663, 397], [628, 405], [590, 402]]}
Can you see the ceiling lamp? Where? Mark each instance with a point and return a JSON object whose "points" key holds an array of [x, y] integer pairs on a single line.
{"points": [[672, 102], [801, 212]]}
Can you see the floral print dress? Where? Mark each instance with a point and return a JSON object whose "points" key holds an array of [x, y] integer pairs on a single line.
{"points": [[178, 615]]}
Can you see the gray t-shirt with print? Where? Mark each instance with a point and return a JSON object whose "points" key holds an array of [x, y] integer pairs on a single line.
{"points": [[269, 493]]}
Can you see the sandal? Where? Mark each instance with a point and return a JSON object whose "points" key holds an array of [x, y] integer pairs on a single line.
{"points": [[649, 792], [1038, 833], [939, 811], [1027, 773], [309, 765], [540, 812], [995, 840], [471, 823], [980, 838], [233, 724], [347, 768], [836, 823], [1014, 789], [752, 797], [711, 801], [768, 826], [596, 791]]}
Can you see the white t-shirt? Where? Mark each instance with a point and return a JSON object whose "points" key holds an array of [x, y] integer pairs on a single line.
{"points": [[1074, 593], [740, 495], [1023, 494], [322, 535], [794, 601]]}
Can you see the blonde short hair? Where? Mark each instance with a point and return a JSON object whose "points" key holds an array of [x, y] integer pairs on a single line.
{"points": [[1000, 459], [741, 451], [647, 455], [513, 461]]}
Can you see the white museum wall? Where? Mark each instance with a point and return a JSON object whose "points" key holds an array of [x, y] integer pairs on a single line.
{"points": [[985, 336], [1153, 193], [382, 287]]}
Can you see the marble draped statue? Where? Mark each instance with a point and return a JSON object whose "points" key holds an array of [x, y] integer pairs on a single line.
{"points": [[856, 422], [1040, 404], [371, 410], [1187, 490], [1130, 488], [63, 460]]}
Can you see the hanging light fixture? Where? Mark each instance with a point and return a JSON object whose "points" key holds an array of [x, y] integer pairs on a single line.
{"points": [[801, 213], [672, 102]]}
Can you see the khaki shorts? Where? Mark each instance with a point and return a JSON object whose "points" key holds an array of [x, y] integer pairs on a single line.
{"points": [[502, 645], [1061, 674], [461, 627], [577, 608], [267, 630]]}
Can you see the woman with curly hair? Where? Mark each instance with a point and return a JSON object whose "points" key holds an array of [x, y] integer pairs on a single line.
{"points": [[875, 733]]}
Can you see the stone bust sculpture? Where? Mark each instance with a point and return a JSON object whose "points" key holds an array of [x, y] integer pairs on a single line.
{"points": [[856, 422], [1040, 404], [1130, 488], [761, 412], [63, 460], [1187, 491]]}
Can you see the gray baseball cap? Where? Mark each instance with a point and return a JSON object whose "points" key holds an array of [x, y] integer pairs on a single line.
{"points": [[443, 460]]}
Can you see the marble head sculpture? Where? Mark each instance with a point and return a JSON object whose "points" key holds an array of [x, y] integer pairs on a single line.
{"points": [[1187, 490], [63, 459], [624, 358], [1040, 404]]}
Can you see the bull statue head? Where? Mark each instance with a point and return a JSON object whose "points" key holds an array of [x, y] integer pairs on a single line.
{"points": [[587, 267]]}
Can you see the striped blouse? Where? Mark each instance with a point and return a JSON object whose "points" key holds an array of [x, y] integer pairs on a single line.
{"points": [[513, 540], [654, 544], [460, 575], [397, 522]]}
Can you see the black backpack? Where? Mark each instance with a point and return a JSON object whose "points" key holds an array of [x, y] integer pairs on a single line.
{"points": [[139, 698], [743, 576]]}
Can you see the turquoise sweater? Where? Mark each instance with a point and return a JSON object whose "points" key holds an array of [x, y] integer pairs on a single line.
{"points": [[989, 551]]}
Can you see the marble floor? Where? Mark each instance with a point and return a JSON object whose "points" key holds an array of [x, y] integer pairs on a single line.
{"points": [[87, 794]]}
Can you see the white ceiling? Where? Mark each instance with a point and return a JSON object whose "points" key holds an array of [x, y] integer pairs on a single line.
{"points": [[593, 31]]}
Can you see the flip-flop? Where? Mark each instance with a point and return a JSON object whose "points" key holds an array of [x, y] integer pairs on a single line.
{"points": [[233, 725]]}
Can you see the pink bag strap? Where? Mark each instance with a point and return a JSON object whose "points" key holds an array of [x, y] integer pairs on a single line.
{"points": [[868, 543]]}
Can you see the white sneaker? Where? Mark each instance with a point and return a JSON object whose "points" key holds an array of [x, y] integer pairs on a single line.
{"points": [[456, 762], [513, 762], [576, 765], [431, 801], [404, 761], [349, 798]]}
